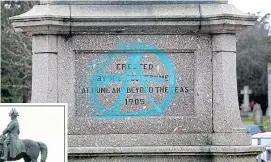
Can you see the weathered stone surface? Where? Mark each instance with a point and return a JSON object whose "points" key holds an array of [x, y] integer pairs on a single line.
{"points": [[139, 125], [176, 124], [117, 19], [224, 43], [44, 68], [181, 153], [66, 69], [230, 139], [130, 140], [162, 150], [134, 2], [226, 116], [247, 158], [83, 44], [44, 44], [183, 60], [141, 158]]}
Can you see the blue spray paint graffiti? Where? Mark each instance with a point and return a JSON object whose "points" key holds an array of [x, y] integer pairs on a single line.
{"points": [[134, 58]]}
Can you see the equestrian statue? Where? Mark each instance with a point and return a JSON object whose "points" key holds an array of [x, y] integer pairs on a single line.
{"points": [[12, 148]]}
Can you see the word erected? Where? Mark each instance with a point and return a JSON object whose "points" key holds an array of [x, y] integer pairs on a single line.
{"points": [[134, 66]]}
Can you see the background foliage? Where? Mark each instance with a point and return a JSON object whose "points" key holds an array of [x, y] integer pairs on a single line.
{"points": [[15, 55], [253, 54]]}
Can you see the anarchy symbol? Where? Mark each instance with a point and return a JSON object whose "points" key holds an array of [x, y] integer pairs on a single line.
{"points": [[135, 51]]}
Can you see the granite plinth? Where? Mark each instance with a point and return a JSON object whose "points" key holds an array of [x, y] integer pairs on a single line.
{"points": [[162, 154], [91, 45]]}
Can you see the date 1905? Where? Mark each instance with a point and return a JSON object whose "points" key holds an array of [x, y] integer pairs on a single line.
{"points": [[132, 101]]}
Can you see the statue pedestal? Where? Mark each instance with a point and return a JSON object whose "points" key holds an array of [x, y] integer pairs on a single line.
{"points": [[192, 114], [165, 153]]}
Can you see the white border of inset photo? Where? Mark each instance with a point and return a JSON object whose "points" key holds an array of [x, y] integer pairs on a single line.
{"points": [[40, 125]]}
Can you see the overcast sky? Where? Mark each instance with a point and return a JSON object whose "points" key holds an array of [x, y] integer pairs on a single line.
{"points": [[252, 6], [45, 124]]}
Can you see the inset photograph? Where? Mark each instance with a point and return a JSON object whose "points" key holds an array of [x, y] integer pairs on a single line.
{"points": [[33, 132]]}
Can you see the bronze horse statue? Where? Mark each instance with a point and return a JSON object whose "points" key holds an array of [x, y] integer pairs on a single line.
{"points": [[32, 151]]}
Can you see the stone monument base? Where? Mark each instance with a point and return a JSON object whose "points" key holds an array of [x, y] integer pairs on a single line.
{"points": [[193, 116], [165, 153]]}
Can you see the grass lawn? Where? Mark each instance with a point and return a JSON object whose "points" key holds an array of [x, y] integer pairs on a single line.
{"points": [[264, 125]]}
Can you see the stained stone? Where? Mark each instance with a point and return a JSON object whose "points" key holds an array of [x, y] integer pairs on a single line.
{"points": [[136, 94]]}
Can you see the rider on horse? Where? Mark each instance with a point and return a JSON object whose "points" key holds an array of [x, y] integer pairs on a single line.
{"points": [[15, 145]]}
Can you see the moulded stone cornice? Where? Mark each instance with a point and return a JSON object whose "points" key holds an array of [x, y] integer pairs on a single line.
{"points": [[133, 19]]}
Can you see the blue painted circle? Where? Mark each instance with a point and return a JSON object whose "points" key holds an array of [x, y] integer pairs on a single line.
{"points": [[134, 57]]}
